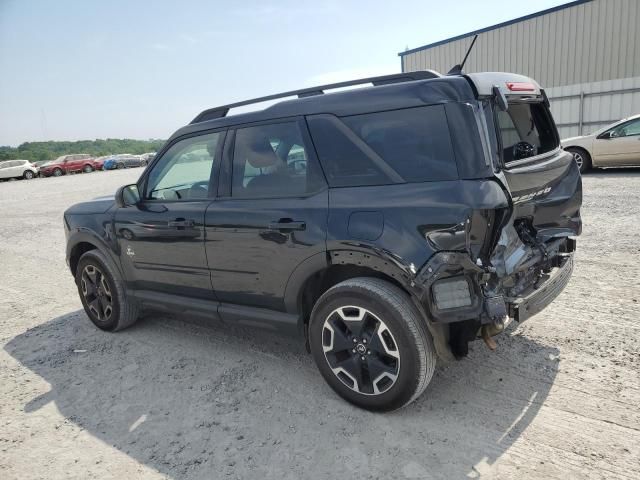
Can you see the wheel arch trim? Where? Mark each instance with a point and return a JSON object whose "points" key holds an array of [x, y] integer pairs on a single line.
{"points": [[85, 235]]}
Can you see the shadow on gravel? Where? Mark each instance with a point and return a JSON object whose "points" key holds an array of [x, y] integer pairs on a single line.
{"points": [[198, 401]]}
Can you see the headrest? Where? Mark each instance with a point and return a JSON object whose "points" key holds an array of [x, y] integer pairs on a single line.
{"points": [[257, 151]]}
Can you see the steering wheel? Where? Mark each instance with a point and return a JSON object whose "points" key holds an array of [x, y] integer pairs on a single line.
{"points": [[199, 189]]}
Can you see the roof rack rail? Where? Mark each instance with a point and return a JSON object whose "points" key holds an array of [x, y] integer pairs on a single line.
{"points": [[222, 111]]}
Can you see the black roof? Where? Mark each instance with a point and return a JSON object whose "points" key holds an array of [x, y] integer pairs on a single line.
{"points": [[385, 96]]}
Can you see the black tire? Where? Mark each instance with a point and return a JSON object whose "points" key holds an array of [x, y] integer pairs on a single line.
{"points": [[28, 175], [87, 169], [123, 312], [581, 157], [120, 166], [57, 172], [390, 311]]}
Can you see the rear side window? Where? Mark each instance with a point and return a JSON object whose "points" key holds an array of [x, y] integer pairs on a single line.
{"points": [[408, 145]]}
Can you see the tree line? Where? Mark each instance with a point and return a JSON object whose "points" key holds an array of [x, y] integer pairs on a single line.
{"points": [[50, 150]]}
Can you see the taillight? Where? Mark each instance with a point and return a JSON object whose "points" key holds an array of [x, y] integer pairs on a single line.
{"points": [[521, 87]]}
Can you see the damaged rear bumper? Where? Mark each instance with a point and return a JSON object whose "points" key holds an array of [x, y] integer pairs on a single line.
{"points": [[492, 297], [534, 301]]}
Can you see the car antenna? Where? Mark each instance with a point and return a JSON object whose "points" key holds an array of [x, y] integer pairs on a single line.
{"points": [[457, 70]]}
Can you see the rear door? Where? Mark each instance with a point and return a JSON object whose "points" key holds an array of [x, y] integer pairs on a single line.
{"points": [[619, 146], [68, 163], [270, 215], [16, 169], [162, 237]]}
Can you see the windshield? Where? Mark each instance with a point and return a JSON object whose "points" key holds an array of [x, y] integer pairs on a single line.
{"points": [[526, 130]]}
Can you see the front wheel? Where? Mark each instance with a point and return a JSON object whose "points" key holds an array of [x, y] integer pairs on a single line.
{"points": [[120, 166], [57, 172], [87, 169], [102, 293], [371, 344], [28, 175]]}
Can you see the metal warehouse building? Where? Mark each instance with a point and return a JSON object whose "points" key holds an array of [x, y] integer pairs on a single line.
{"points": [[586, 54]]}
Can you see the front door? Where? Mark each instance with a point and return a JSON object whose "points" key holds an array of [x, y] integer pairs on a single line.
{"points": [[270, 214], [162, 237], [622, 147]]}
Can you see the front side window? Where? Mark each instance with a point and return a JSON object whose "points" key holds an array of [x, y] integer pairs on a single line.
{"points": [[526, 130], [271, 161], [184, 171], [629, 129]]}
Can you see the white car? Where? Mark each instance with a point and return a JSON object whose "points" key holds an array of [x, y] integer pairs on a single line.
{"points": [[18, 169], [616, 145]]}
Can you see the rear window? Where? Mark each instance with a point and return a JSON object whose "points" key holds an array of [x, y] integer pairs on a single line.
{"points": [[408, 145], [526, 130]]}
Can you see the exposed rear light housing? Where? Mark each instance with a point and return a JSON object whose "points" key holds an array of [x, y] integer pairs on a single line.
{"points": [[452, 293], [521, 87]]}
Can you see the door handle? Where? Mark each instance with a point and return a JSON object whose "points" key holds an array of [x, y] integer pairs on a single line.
{"points": [[180, 223], [286, 224]]}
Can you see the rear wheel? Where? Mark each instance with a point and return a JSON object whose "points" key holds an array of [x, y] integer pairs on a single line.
{"points": [[102, 293], [57, 172], [87, 169], [581, 157], [28, 175], [371, 344]]}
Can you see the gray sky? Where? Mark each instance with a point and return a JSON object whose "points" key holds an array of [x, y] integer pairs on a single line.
{"points": [[74, 70]]}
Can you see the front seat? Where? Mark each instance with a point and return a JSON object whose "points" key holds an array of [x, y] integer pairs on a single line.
{"points": [[259, 154]]}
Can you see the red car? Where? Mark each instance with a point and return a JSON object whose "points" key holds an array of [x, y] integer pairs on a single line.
{"points": [[81, 162]]}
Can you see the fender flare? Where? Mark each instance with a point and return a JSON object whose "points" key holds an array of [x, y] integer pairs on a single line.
{"points": [[85, 235], [361, 256]]}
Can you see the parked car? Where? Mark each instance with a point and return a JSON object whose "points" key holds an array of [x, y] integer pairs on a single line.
{"points": [[98, 162], [616, 145], [124, 160], [386, 226], [81, 162], [18, 169], [147, 158]]}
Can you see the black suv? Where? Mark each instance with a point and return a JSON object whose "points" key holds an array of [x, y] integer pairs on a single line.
{"points": [[386, 226]]}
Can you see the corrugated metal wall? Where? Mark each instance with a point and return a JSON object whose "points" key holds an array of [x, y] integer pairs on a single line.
{"points": [[602, 103], [588, 42]]}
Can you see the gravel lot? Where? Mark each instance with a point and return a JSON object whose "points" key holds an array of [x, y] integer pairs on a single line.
{"points": [[177, 398]]}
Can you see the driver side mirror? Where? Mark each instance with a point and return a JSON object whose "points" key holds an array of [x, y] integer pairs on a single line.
{"points": [[127, 196]]}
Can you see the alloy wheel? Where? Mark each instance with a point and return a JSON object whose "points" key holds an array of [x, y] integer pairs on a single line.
{"points": [[360, 350], [578, 159], [97, 292]]}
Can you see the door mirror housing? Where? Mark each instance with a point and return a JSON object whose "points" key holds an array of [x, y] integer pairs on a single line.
{"points": [[127, 196]]}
